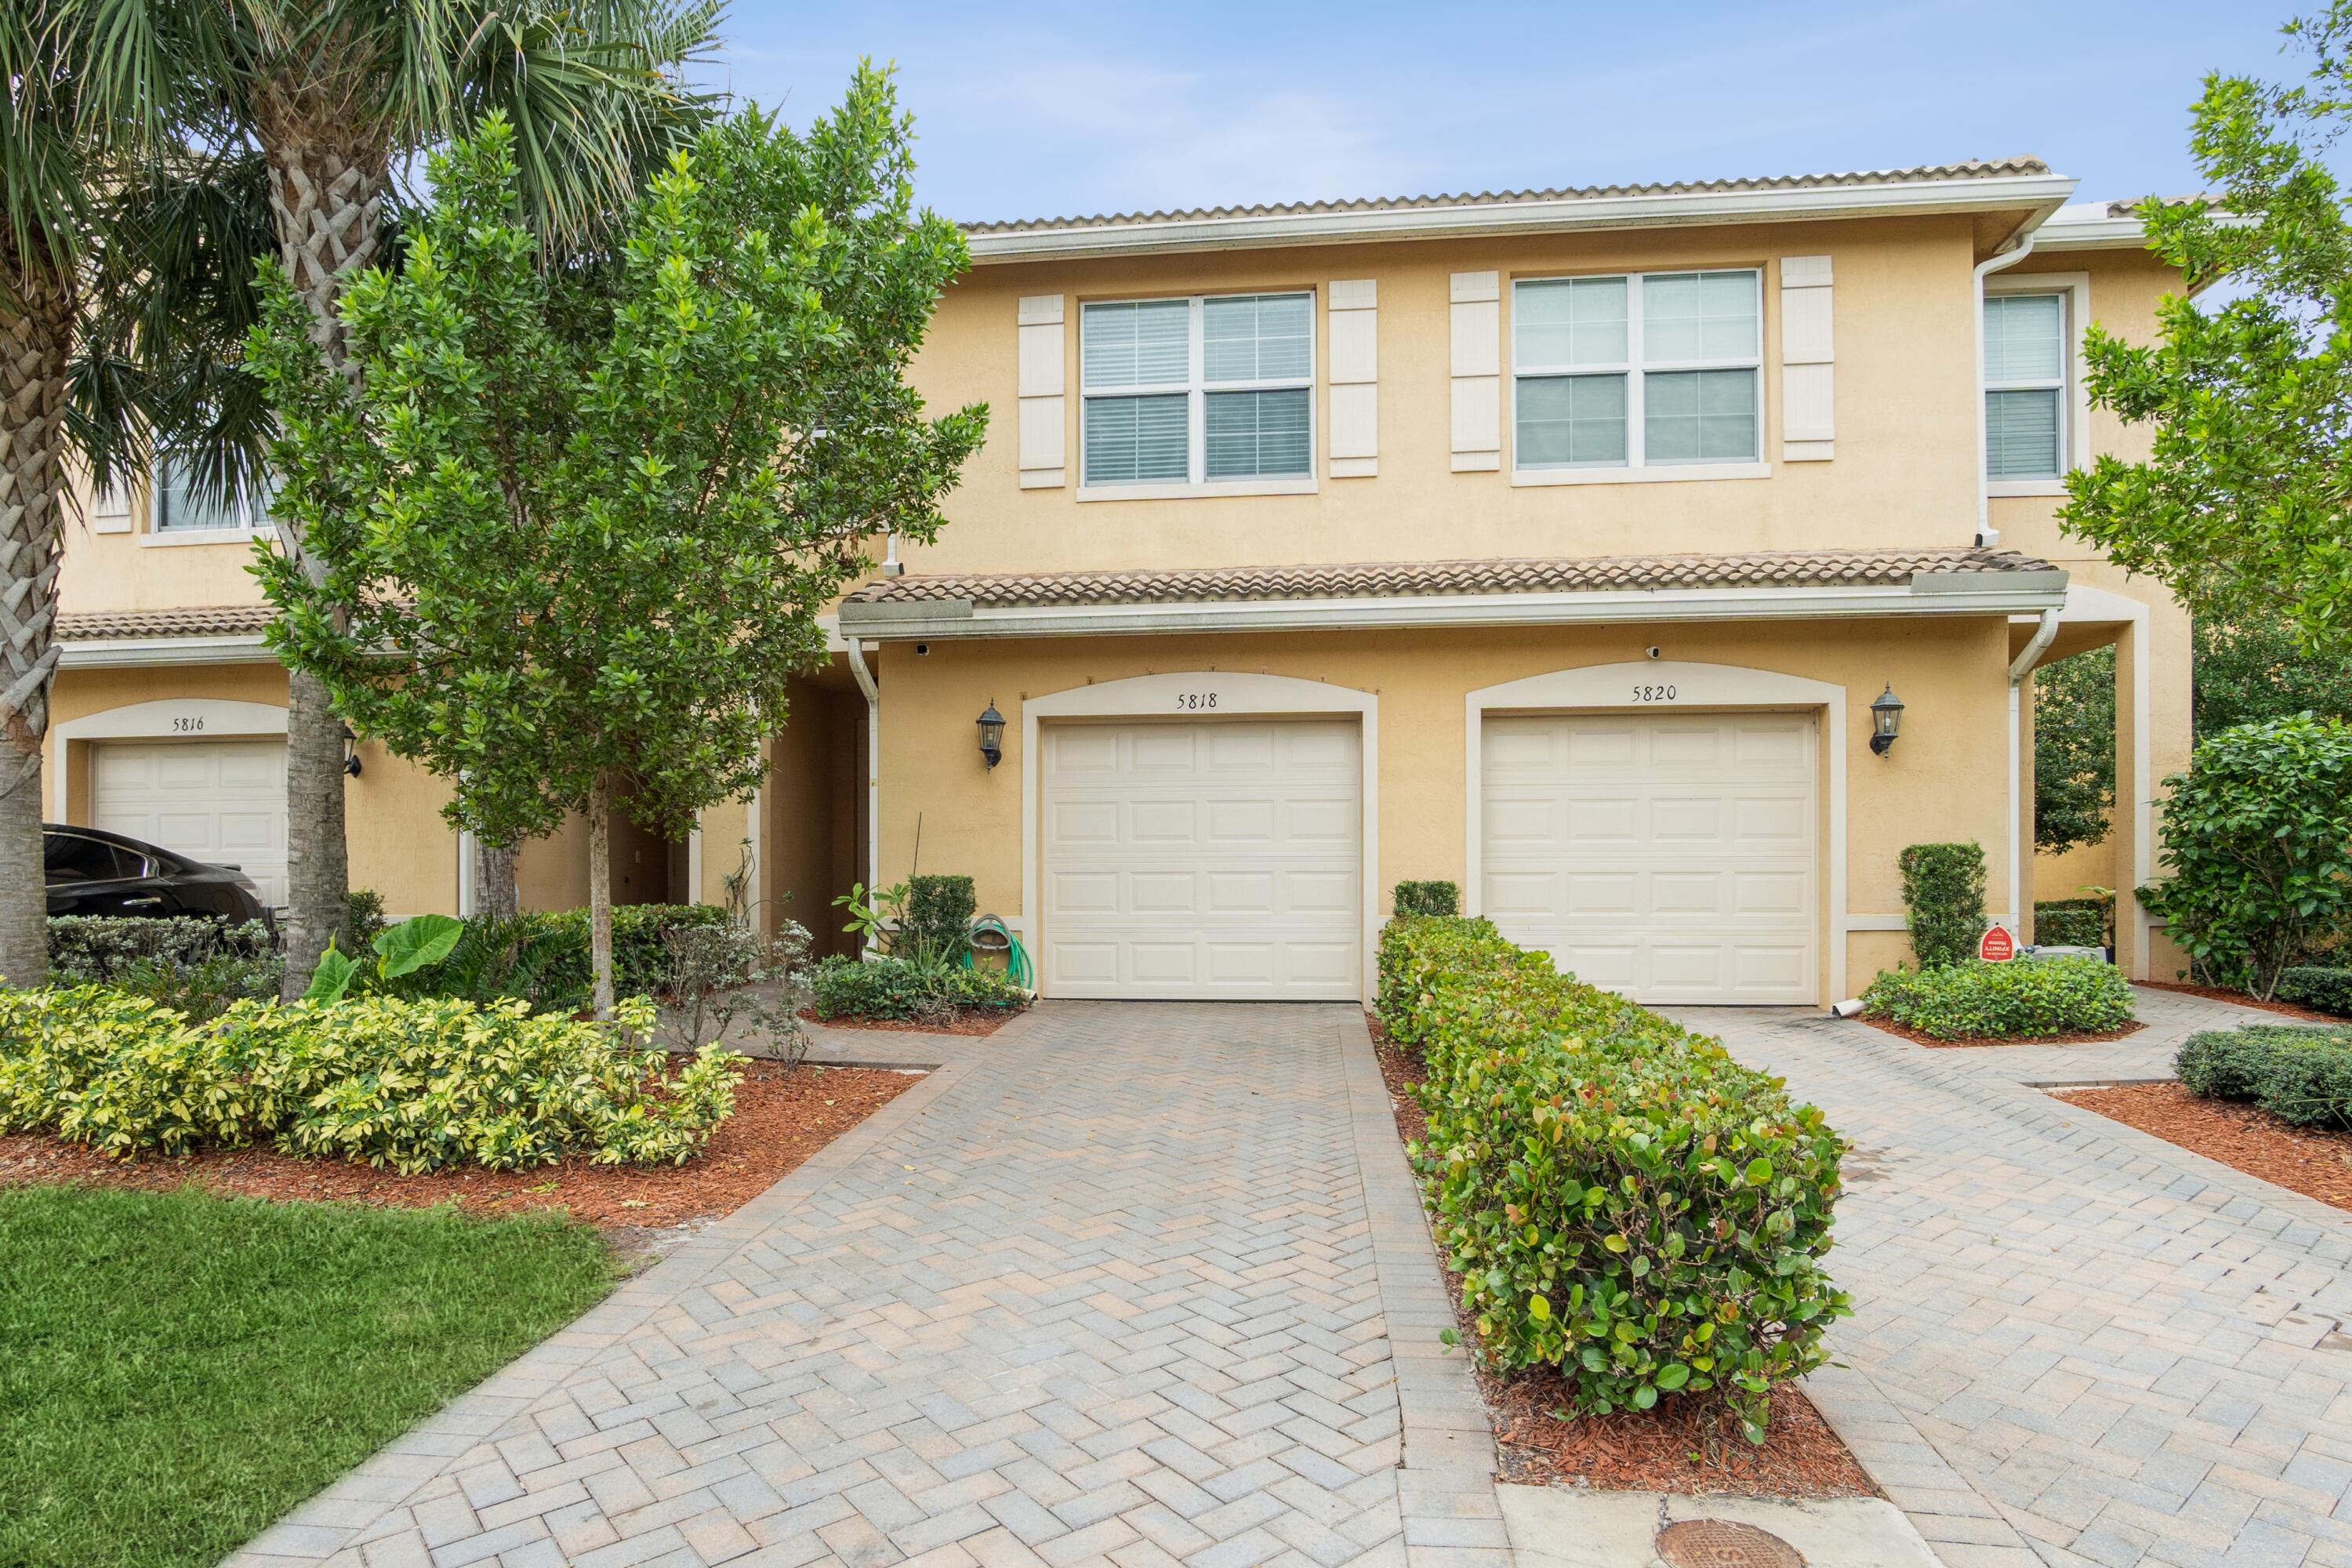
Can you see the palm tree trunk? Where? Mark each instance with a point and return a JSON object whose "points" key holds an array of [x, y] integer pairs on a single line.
{"points": [[326, 200], [600, 890], [33, 348], [495, 893]]}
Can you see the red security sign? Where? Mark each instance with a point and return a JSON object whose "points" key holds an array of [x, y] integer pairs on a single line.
{"points": [[1998, 946]]}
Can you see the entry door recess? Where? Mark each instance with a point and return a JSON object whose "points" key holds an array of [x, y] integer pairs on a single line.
{"points": [[1672, 856], [1217, 860]]}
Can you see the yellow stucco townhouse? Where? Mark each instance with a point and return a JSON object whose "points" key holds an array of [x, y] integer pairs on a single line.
{"points": [[1570, 545]]}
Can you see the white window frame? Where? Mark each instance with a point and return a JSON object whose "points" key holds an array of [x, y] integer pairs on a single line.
{"points": [[1635, 469], [2074, 396], [1196, 388], [242, 532]]}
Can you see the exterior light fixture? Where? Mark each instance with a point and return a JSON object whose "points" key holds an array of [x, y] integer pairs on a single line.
{"points": [[1885, 719], [991, 733], [350, 752]]}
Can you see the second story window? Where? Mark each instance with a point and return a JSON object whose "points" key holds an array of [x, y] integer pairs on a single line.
{"points": [[180, 510], [1644, 370], [2025, 386], [1206, 390]]}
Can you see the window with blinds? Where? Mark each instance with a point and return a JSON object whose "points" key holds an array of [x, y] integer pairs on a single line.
{"points": [[1646, 369], [180, 507], [2025, 385], [1214, 388]]}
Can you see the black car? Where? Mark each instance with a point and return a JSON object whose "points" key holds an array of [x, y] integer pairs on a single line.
{"points": [[94, 872]]}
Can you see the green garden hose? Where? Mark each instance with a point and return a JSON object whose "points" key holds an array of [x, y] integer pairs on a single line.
{"points": [[992, 935]]}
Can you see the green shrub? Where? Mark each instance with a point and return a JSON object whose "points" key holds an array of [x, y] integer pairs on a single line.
{"points": [[2071, 922], [364, 917], [195, 964], [937, 927], [1619, 1197], [901, 988], [541, 956], [1943, 890], [2324, 990], [2301, 1076], [1427, 899], [2026, 998], [2257, 837], [413, 1085]]}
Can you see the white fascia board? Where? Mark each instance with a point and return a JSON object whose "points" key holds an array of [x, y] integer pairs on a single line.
{"points": [[2098, 234], [2044, 193], [961, 620], [97, 652]]}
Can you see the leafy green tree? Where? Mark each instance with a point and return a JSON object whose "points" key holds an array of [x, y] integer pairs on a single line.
{"points": [[2250, 670], [2073, 750], [581, 524], [2240, 506], [2257, 839]]}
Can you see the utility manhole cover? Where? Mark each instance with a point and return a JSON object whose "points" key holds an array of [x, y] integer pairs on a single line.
{"points": [[1719, 1543]]}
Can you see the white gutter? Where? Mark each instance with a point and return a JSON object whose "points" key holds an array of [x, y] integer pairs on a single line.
{"points": [[1546, 214], [1986, 533], [865, 679], [99, 653], [2019, 669]]}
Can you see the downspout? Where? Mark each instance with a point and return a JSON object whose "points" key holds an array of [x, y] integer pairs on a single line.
{"points": [[2020, 667], [1986, 533], [864, 676]]}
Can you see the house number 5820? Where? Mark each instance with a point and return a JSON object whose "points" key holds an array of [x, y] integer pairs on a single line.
{"points": [[1195, 701], [1654, 694]]}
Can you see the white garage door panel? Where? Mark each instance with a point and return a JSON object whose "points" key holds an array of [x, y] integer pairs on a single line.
{"points": [[1671, 856], [1212, 860], [221, 801]]}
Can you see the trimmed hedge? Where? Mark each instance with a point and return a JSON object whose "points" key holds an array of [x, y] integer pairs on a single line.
{"points": [[2324, 990], [2301, 1076], [1619, 1197], [1427, 899], [413, 1085], [196, 964], [1943, 890], [2026, 998], [899, 989], [939, 918], [2071, 922]]}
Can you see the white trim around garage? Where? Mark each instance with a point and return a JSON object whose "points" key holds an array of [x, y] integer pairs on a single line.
{"points": [[167, 719], [1206, 694], [1696, 687]]}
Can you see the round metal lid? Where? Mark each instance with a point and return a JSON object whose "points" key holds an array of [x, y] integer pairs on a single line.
{"points": [[1719, 1544]]}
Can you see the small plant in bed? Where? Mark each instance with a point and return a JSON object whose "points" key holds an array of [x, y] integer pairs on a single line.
{"points": [[898, 990], [2026, 999]]}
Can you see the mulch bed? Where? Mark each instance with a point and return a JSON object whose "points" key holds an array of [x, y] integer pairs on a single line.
{"points": [[782, 1115], [2218, 994], [1690, 1445], [2247, 1138], [979, 1021], [2085, 1037]]}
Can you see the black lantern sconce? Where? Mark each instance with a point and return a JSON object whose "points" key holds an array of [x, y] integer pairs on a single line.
{"points": [[991, 733], [350, 752], [1885, 720]]}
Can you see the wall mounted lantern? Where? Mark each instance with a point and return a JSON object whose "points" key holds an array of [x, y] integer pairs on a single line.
{"points": [[1885, 719], [350, 752], [991, 733]]}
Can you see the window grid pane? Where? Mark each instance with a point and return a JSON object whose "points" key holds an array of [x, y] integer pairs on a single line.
{"points": [[1699, 417], [1134, 440], [2021, 433], [2024, 339], [1143, 343], [1257, 435], [1256, 337], [178, 509], [1570, 322], [1569, 420], [1698, 316]]}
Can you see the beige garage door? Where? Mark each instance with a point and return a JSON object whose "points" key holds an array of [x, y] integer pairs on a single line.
{"points": [[1219, 860], [1673, 857], [221, 801]]}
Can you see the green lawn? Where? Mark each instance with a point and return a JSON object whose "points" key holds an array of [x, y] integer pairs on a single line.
{"points": [[177, 1370]]}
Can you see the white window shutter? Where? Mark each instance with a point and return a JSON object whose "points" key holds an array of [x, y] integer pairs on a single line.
{"points": [[1807, 361], [1477, 371], [1044, 462], [1355, 439], [109, 512]]}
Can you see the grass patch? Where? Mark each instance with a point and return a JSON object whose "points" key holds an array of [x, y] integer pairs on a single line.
{"points": [[178, 1370]]}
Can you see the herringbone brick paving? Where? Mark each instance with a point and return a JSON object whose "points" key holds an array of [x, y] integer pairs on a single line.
{"points": [[1106, 1296], [2092, 1347]]}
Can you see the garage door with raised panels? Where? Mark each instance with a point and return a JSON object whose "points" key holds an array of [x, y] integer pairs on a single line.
{"points": [[1219, 860], [1670, 856], [219, 801]]}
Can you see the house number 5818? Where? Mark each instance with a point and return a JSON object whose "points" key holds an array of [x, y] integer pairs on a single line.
{"points": [[1195, 701]]}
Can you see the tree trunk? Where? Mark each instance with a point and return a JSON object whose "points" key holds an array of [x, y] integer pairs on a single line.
{"points": [[326, 201], [33, 347], [494, 894], [600, 891]]}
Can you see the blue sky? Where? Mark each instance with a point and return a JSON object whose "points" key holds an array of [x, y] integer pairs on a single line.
{"points": [[1043, 110]]}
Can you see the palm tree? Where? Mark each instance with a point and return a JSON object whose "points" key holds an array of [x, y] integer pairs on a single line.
{"points": [[336, 95]]}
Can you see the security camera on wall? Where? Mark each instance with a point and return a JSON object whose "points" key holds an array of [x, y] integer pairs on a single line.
{"points": [[1654, 652]]}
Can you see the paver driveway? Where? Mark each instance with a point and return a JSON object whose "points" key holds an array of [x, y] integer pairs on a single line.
{"points": [[1102, 1289], [2092, 1346]]}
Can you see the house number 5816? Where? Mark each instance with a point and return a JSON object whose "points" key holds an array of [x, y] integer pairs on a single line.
{"points": [[1195, 701]]}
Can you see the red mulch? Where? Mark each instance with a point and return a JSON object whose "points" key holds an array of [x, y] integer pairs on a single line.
{"points": [[782, 1115], [978, 1021], [2318, 1164], [2083, 1037], [2219, 994], [1690, 1445]]}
